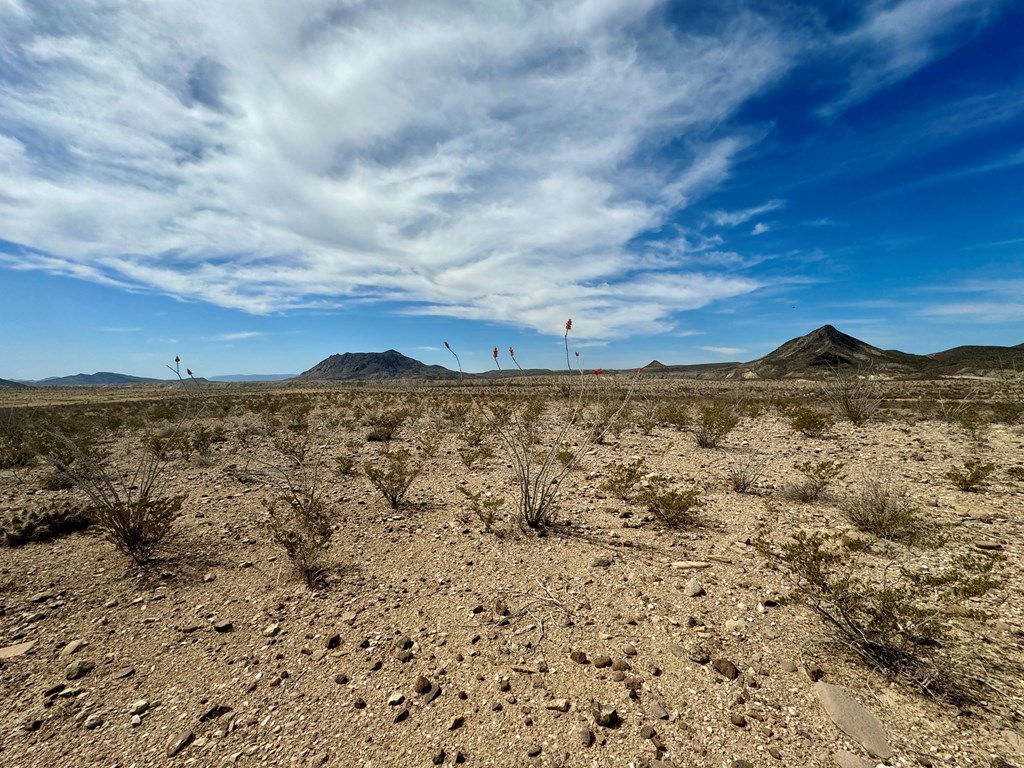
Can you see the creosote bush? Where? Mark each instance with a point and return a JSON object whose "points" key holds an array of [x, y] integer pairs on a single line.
{"points": [[672, 507], [743, 475], [817, 477], [622, 477], [484, 505], [394, 471], [852, 396], [884, 509], [810, 422], [713, 423], [972, 475]]}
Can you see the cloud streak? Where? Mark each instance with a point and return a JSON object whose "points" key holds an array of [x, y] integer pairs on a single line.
{"points": [[498, 162]]}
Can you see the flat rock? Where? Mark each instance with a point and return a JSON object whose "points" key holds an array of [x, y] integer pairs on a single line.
{"points": [[78, 668], [854, 719], [20, 649], [93, 721], [989, 544], [73, 647], [690, 565], [224, 626], [657, 710], [726, 669], [694, 588], [178, 742], [846, 759]]}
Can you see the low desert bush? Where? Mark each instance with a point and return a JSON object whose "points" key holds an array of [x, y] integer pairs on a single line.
{"points": [[817, 477], [393, 472], [810, 422], [672, 507], [675, 415], [621, 477], [385, 423], [299, 523], [483, 505], [713, 423], [884, 509], [16, 452], [471, 456], [744, 474], [1015, 473], [972, 475], [851, 396]]}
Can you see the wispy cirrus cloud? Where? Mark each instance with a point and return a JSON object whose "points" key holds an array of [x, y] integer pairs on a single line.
{"points": [[236, 336], [724, 351]]}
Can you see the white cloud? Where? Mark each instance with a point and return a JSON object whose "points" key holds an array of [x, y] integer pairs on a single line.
{"points": [[979, 311], [236, 336], [760, 228], [734, 218], [485, 161], [724, 351]]}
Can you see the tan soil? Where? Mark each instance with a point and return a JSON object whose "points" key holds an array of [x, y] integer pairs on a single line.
{"points": [[432, 579]]}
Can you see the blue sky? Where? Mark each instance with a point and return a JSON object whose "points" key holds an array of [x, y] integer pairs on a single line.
{"points": [[257, 185]]}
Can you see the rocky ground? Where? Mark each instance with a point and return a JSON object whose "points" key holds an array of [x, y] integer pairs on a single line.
{"points": [[608, 641]]}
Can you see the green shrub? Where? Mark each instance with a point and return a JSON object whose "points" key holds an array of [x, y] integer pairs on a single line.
{"points": [[622, 477], [883, 509], [972, 475], [675, 415], [394, 471], [672, 507], [810, 422], [483, 505], [713, 423], [817, 477], [743, 476], [138, 526], [44, 523], [1015, 473], [851, 396]]}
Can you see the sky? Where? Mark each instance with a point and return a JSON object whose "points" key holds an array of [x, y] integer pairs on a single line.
{"points": [[257, 185]]}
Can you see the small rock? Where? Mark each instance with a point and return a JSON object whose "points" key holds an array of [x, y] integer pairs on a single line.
{"points": [[657, 710], [41, 597], [789, 666], [741, 764], [208, 577], [79, 668], [334, 641], [694, 588], [726, 669], [401, 715], [178, 742], [18, 649], [989, 544], [846, 759], [601, 661], [585, 737], [735, 625], [605, 715], [395, 699], [341, 678], [359, 702], [421, 685], [738, 720], [456, 722], [533, 750], [138, 707], [854, 719], [271, 630], [698, 652], [73, 647], [690, 565], [123, 672], [601, 562], [93, 721], [647, 732], [558, 705], [319, 759], [775, 752], [579, 657], [438, 756], [224, 625]]}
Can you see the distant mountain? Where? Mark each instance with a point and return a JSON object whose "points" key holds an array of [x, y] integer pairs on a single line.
{"points": [[373, 366], [976, 359], [5, 384], [101, 378], [826, 349], [693, 370], [253, 377]]}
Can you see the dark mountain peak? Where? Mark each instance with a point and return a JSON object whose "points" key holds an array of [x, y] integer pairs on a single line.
{"points": [[654, 365], [373, 366], [5, 384]]}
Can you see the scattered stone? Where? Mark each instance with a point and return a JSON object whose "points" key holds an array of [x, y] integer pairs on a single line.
{"points": [[319, 759], [123, 672], [53, 690], [223, 626], [735, 625], [421, 685], [585, 737], [533, 750], [334, 641], [558, 705], [41, 597], [208, 577], [698, 653], [456, 722], [628, 650], [20, 649], [432, 693], [789, 666], [395, 699], [341, 678], [579, 657], [601, 661], [138, 707], [401, 715], [989, 544], [359, 703], [689, 565], [438, 756], [814, 672], [694, 588], [178, 742], [73, 647], [78, 668], [738, 720], [93, 721], [647, 732], [601, 562], [657, 710], [741, 764], [605, 715], [404, 655], [775, 752], [677, 650], [846, 759], [726, 669], [854, 719], [271, 630]]}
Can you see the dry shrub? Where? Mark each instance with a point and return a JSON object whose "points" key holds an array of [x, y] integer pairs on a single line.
{"points": [[884, 509]]}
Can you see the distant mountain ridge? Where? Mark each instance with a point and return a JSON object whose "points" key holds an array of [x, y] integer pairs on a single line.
{"points": [[373, 366], [5, 384]]}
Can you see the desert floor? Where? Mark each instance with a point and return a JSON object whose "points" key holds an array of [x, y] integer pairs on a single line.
{"points": [[437, 641]]}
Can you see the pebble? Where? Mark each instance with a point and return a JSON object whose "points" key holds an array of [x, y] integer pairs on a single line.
{"points": [[138, 707], [224, 625], [79, 668], [698, 652], [694, 588], [456, 722], [178, 742], [579, 657], [559, 705], [93, 721], [854, 719], [421, 685], [208, 577], [726, 669], [585, 737], [738, 720], [605, 715], [73, 647], [657, 710], [601, 661]]}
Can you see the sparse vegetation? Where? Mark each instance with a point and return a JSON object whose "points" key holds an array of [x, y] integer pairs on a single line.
{"points": [[713, 423], [972, 475], [810, 422], [672, 507], [817, 477], [744, 474], [622, 477], [851, 396], [393, 472], [884, 509]]}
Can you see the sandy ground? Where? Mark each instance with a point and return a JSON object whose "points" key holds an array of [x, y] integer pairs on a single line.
{"points": [[439, 642]]}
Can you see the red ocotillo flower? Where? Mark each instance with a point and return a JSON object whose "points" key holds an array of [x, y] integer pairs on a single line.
{"points": [[177, 359], [188, 371], [447, 345], [511, 352], [568, 324], [597, 371], [495, 353]]}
